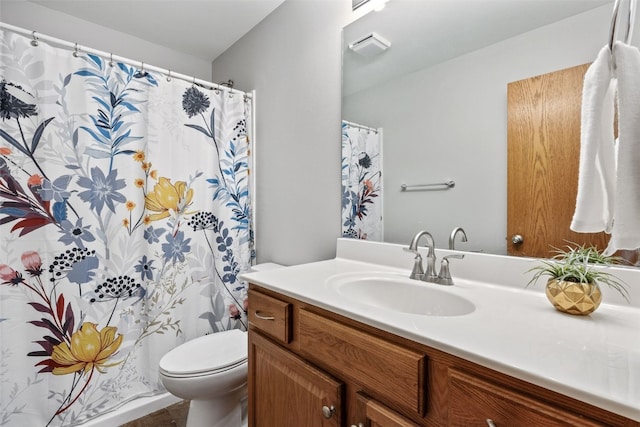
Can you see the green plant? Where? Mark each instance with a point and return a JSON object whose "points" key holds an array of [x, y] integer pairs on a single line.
{"points": [[576, 264]]}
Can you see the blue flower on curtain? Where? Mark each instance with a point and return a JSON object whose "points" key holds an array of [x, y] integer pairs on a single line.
{"points": [[176, 247], [145, 268], [102, 190], [75, 234], [152, 235]]}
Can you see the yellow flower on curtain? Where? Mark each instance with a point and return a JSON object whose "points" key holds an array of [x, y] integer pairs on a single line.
{"points": [[89, 349], [167, 197]]}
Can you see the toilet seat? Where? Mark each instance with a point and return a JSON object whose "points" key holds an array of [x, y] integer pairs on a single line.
{"points": [[207, 355]]}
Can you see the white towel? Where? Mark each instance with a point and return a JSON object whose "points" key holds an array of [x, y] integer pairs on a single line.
{"points": [[596, 181], [626, 225]]}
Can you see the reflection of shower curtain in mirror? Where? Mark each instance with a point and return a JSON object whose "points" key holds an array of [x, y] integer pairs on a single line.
{"points": [[124, 223], [361, 182]]}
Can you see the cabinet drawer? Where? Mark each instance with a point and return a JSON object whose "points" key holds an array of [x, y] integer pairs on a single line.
{"points": [[472, 402], [384, 370], [378, 415], [270, 315]]}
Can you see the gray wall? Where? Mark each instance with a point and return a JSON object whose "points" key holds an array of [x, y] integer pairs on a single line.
{"points": [[293, 60], [450, 121], [47, 21]]}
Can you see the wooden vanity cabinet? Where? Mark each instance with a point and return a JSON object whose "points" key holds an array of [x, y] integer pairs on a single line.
{"points": [[310, 367]]}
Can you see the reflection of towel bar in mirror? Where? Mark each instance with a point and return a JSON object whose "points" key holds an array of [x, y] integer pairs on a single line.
{"points": [[429, 187]]}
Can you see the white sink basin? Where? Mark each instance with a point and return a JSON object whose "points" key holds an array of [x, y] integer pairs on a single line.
{"points": [[396, 293]]}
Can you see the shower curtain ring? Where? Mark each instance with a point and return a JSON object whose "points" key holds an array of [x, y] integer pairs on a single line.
{"points": [[141, 67], [169, 76], [217, 90], [230, 93], [111, 60], [194, 81], [246, 98], [34, 42], [75, 51]]}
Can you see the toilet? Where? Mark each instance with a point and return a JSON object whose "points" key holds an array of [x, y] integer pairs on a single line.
{"points": [[211, 372]]}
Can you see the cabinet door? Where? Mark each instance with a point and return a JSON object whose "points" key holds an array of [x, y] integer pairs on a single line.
{"points": [[287, 391], [475, 402]]}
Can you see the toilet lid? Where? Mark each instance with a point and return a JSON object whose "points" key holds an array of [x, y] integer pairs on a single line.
{"points": [[209, 353]]}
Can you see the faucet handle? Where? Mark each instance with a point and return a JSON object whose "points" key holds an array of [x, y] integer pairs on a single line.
{"points": [[444, 277], [417, 272]]}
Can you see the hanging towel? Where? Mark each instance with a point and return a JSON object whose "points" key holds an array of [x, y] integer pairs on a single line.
{"points": [[596, 181], [626, 225]]}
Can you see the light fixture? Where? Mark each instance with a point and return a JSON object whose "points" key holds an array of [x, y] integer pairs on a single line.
{"points": [[370, 45]]}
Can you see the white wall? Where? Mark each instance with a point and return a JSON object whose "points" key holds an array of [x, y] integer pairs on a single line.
{"points": [[458, 129], [293, 60], [47, 21]]}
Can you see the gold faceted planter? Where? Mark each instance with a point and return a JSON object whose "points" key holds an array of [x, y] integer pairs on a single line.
{"points": [[574, 298]]}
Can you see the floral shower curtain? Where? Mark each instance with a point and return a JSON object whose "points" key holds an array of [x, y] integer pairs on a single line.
{"points": [[361, 182], [125, 220]]}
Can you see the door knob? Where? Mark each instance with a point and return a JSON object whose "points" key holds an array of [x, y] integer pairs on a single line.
{"points": [[517, 239]]}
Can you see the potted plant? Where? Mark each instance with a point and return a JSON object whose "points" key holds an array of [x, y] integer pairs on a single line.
{"points": [[573, 284]]}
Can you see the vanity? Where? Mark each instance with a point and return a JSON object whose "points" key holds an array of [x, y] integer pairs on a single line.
{"points": [[353, 342]]}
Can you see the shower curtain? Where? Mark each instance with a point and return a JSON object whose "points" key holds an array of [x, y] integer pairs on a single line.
{"points": [[361, 182], [125, 220]]}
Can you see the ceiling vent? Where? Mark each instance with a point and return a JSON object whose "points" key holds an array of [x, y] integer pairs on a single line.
{"points": [[370, 45]]}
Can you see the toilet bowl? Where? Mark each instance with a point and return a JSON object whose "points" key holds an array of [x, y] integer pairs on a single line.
{"points": [[211, 372]]}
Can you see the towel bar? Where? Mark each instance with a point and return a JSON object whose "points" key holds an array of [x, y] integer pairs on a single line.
{"points": [[429, 187]]}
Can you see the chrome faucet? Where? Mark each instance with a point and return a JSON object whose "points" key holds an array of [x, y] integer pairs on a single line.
{"points": [[452, 237], [442, 278], [417, 272]]}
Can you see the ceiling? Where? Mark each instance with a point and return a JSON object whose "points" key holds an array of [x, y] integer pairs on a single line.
{"points": [[427, 32], [202, 28], [441, 29]]}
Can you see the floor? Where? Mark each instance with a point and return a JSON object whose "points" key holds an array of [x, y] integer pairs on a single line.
{"points": [[172, 416]]}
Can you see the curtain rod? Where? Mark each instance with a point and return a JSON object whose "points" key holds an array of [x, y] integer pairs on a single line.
{"points": [[363, 127], [105, 55]]}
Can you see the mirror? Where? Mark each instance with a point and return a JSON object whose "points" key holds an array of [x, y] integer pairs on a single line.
{"points": [[438, 96]]}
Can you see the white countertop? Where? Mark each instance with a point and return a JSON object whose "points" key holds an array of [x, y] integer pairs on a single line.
{"points": [[513, 329]]}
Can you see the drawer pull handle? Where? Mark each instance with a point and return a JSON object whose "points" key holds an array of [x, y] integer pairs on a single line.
{"points": [[263, 317], [490, 423], [328, 411]]}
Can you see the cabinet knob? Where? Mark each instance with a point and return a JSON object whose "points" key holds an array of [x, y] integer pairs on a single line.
{"points": [[490, 423], [328, 411]]}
